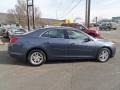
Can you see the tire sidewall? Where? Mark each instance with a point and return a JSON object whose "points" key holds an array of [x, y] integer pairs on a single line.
{"points": [[102, 49], [33, 51]]}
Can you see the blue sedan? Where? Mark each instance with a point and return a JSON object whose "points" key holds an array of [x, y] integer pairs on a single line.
{"points": [[55, 43]]}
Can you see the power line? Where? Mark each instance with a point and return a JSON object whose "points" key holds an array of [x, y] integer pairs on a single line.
{"points": [[72, 8], [69, 4], [73, 1], [62, 5]]}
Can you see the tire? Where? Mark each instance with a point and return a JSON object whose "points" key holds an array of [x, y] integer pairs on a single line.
{"points": [[6, 35], [36, 57], [110, 29], [106, 55]]}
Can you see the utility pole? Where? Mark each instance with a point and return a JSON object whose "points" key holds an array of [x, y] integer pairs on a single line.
{"points": [[96, 21], [28, 18], [30, 3], [56, 14], [33, 14], [87, 13]]}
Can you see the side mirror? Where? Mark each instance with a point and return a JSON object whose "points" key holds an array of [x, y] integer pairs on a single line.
{"points": [[82, 28], [87, 40]]}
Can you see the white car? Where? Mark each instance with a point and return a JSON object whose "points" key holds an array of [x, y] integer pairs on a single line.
{"points": [[108, 26], [14, 31]]}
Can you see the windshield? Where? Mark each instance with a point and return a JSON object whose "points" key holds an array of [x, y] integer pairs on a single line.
{"points": [[18, 30]]}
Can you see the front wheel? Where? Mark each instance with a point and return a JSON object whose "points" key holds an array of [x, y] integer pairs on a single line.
{"points": [[36, 57], [103, 55]]}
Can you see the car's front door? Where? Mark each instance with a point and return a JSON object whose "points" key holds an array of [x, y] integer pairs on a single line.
{"points": [[80, 45]]}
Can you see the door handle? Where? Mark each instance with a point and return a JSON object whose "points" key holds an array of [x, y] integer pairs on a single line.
{"points": [[47, 43]]}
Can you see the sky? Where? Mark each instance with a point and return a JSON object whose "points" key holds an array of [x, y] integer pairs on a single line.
{"points": [[60, 8]]}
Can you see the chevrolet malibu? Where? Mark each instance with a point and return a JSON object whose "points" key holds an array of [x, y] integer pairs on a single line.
{"points": [[56, 43]]}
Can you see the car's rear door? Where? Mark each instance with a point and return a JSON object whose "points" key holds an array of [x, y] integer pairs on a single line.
{"points": [[56, 44]]}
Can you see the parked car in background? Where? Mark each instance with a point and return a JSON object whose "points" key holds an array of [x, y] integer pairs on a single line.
{"points": [[90, 31], [10, 32], [56, 43], [108, 26], [114, 25], [2, 30]]}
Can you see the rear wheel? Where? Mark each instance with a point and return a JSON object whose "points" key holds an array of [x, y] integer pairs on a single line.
{"points": [[103, 55], [114, 28], [36, 57]]}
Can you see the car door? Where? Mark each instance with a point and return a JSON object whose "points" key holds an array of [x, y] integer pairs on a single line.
{"points": [[56, 44], [80, 45]]}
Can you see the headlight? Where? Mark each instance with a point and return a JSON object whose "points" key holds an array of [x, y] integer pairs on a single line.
{"points": [[113, 44]]}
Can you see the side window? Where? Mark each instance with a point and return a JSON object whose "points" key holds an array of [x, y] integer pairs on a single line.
{"points": [[46, 34], [54, 34], [22, 30], [60, 34], [74, 34]]}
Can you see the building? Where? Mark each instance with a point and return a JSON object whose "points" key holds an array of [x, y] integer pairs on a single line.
{"points": [[116, 19], [3, 18]]}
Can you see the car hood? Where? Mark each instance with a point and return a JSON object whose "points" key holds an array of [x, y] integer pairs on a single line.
{"points": [[104, 42], [92, 29]]}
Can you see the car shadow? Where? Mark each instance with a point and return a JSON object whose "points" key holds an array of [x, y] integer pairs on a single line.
{"points": [[6, 59], [70, 61]]}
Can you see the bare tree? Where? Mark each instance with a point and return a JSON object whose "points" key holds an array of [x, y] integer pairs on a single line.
{"points": [[19, 14]]}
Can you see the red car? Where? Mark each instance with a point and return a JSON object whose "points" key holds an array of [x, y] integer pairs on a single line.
{"points": [[90, 31]]}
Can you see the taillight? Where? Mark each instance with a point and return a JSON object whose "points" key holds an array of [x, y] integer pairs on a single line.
{"points": [[13, 40]]}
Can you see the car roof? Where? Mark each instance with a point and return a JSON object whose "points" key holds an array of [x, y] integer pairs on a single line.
{"points": [[71, 24], [60, 27]]}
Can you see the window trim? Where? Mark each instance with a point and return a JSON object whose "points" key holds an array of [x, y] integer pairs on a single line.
{"points": [[47, 30], [43, 33]]}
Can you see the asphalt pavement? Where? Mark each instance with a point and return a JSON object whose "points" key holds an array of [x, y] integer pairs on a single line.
{"points": [[61, 75]]}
